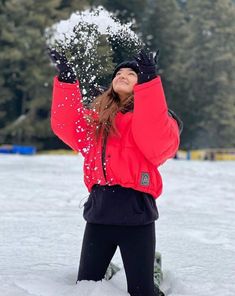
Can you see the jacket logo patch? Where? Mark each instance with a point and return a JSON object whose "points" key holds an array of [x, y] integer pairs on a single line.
{"points": [[145, 179]]}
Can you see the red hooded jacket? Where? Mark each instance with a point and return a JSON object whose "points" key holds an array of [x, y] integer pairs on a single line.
{"points": [[148, 137]]}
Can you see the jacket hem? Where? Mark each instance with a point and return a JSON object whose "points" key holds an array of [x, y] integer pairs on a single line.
{"points": [[155, 194]]}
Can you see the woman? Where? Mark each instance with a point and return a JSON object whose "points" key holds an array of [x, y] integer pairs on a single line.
{"points": [[125, 135]]}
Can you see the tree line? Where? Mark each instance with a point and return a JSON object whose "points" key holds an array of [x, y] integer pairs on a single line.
{"points": [[197, 61]]}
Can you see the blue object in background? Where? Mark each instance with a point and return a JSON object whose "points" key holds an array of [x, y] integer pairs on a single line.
{"points": [[188, 155], [6, 149], [17, 149], [28, 150]]}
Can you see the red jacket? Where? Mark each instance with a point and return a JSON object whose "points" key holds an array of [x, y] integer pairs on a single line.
{"points": [[148, 137]]}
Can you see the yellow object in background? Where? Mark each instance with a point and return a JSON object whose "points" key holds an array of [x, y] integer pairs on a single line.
{"points": [[198, 154], [225, 156], [207, 154]]}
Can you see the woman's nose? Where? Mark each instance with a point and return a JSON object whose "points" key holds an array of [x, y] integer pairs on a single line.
{"points": [[123, 75]]}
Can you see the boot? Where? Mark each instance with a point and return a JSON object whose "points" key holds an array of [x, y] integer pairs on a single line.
{"points": [[157, 274], [111, 270]]}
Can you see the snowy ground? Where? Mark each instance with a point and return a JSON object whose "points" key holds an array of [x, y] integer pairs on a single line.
{"points": [[41, 228]]}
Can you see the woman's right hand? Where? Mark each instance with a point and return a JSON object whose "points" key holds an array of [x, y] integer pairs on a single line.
{"points": [[66, 73]]}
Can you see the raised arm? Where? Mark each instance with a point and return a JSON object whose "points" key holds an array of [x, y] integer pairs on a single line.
{"points": [[155, 132], [68, 120]]}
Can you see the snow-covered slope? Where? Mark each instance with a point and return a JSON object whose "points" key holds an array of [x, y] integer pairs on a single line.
{"points": [[41, 228]]}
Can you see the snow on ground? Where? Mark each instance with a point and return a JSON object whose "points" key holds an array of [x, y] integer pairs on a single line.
{"points": [[41, 228]]}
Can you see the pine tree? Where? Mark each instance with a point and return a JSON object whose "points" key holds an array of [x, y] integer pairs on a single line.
{"points": [[209, 63], [6, 40], [196, 41], [163, 27], [26, 74], [126, 11]]}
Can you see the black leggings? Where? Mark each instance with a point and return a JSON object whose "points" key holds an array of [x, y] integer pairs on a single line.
{"points": [[137, 247]]}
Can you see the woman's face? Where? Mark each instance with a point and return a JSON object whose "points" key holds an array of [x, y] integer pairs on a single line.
{"points": [[124, 82]]}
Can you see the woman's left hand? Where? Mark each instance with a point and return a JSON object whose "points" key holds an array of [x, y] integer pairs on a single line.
{"points": [[148, 65]]}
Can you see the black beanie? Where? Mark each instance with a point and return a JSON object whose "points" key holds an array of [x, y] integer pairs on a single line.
{"points": [[126, 64]]}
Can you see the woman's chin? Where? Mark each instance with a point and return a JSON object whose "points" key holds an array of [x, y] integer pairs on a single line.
{"points": [[122, 90]]}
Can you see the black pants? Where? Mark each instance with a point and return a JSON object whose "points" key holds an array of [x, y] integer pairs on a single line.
{"points": [[137, 247]]}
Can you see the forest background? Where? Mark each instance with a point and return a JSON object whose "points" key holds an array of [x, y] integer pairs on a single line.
{"points": [[197, 64]]}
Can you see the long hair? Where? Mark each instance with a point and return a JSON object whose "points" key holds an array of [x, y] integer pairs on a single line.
{"points": [[106, 106]]}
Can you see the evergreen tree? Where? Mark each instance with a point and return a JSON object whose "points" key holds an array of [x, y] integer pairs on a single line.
{"points": [[208, 63], [164, 27], [26, 77], [131, 10], [196, 41], [6, 40]]}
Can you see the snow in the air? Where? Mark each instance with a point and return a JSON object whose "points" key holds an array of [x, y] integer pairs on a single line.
{"points": [[81, 36], [41, 228], [104, 21]]}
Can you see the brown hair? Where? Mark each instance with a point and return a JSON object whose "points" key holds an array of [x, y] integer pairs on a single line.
{"points": [[106, 106]]}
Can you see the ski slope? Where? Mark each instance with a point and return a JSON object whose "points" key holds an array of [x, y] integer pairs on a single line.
{"points": [[41, 228]]}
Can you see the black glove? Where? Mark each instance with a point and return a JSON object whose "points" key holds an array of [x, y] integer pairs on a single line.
{"points": [[66, 73], [148, 65]]}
